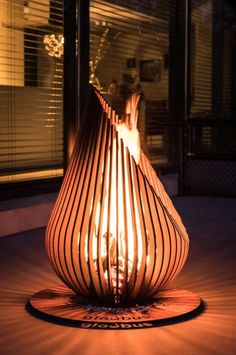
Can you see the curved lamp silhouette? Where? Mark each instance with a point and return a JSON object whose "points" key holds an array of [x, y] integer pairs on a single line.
{"points": [[114, 235]]}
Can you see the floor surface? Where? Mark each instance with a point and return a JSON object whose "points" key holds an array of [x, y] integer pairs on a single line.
{"points": [[209, 272]]}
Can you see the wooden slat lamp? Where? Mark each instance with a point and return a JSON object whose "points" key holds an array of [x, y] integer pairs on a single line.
{"points": [[114, 236]]}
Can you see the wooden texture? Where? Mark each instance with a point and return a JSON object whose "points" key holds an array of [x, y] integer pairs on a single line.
{"points": [[61, 303], [114, 235]]}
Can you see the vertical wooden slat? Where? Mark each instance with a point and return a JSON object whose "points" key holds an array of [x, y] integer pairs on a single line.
{"points": [[169, 241], [143, 230], [159, 238], [101, 215], [125, 221], [117, 222], [151, 240], [109, 212], [91, 229], [133, 274]]}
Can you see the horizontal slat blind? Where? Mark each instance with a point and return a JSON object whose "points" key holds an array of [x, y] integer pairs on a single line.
{"points": [[201, 55], [129, 48], [31, 91], [212, 45], [212, 77]]}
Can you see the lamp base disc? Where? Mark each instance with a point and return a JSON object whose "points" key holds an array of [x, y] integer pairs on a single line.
{"points": [[61, 305]]}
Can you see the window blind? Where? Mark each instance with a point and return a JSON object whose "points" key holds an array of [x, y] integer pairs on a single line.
{"points": [[31, 89], [129, 49], [212, 44], [212, 77]]}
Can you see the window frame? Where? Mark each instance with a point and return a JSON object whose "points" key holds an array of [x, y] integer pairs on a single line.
{"points": [[40, 186]]}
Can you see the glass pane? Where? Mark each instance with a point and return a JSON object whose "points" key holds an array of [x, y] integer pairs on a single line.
{"points": [[213, 93], [129, 52], [31, 89]]}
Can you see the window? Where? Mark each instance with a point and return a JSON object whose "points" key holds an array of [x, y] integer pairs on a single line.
{"points": [[129, 53], [31, 90], [213, 95]]}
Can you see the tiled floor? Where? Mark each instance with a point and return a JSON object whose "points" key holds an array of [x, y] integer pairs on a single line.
{"points": [[210, 272]]}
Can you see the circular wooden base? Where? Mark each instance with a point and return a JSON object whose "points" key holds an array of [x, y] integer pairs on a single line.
{"points": [[60, 304]]}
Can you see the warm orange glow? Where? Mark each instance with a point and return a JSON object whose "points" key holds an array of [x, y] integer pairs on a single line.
{"points": [[41, 174], [114, 234]]}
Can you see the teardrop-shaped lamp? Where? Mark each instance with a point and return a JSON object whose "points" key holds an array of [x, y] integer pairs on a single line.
{"points": [[114, 235]]}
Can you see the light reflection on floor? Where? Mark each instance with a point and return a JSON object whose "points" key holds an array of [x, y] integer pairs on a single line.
{"points": [[210, 272]]}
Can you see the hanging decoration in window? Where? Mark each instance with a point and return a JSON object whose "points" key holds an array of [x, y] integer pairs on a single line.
{"points": [[54, 44]]}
